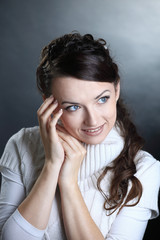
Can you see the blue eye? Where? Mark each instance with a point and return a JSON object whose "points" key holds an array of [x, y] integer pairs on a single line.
{"points": [[103, 99], [72, 108]]}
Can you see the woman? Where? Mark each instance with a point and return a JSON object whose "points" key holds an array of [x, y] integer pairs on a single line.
{"points": [[82, 173]]}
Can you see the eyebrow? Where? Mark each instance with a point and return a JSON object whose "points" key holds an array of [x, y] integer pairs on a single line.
{"points": [[75, 103], [102, 94]]}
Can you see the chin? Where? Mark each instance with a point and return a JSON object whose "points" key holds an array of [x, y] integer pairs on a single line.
{"points": [[93, 140]]}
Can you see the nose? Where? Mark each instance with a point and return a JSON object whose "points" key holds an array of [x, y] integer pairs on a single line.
{"points": [[91, 118]]}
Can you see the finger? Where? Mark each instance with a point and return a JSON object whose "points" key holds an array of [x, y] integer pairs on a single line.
{"points": [[45, 105], [56, 117], [72, 153], [47, 113], [67, 149], [44, 118], [61, 128], [73, 142]]}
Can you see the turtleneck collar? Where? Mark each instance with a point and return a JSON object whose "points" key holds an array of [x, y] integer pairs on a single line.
{"points": [[100, 155]]}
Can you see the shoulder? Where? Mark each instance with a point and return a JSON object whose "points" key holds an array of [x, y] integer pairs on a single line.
{"points": [[26, 142], [25, 134], [22, 141], [146, 164], [148, 172]]}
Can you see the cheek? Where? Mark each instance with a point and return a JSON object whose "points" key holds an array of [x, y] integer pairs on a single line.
{"points": [[69, 121], [111, 111]]}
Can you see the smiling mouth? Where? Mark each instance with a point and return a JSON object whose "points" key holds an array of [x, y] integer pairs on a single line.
{"points": [[93, 130]]}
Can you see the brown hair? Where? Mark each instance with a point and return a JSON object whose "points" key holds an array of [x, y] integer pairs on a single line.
{"points": [[83, 57]]}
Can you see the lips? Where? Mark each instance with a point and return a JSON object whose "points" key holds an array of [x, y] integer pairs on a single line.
{"points": [[94, 131]]}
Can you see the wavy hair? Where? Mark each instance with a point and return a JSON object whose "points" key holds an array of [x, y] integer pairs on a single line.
{"points": [[85, 58]]}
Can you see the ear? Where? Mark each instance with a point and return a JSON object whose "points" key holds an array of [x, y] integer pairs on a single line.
{"points": [[117, 91]]}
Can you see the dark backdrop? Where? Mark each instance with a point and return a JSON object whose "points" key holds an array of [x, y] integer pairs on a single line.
{"points": [[131, 28]]}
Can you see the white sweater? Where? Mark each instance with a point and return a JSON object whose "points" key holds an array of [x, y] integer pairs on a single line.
{"points": [[22, 162]]}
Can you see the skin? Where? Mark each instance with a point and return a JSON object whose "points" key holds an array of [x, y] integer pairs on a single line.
{"points": [[95, 109], [95, 106]]}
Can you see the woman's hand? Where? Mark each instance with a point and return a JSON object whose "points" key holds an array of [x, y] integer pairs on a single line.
{"points": [[74, 155], [48, 118], [77, 221], [36, 208], [60, 147]]}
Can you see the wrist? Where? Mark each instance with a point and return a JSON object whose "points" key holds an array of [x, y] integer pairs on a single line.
{"points": [[52, 167], [68, 186]]}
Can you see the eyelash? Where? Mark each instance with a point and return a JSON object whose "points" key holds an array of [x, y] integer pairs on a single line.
{"points": [[69, 107], [105, 97]]}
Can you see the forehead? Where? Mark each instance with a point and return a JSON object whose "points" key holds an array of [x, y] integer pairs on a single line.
{"points": [[72, 88]]}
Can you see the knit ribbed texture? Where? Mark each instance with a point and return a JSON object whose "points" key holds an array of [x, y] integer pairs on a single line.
{"points": [[24, 155]]}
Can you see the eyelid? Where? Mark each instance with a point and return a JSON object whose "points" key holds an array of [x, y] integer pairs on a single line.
{"points": [[68, 107], [107, 96], [104, 97]]}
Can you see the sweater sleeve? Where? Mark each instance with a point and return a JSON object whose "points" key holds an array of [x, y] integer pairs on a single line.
{"points": [[11, 195], [11, 221], [13, 190], [18, 227], [130, 224], [136, 217], [148, 172]]}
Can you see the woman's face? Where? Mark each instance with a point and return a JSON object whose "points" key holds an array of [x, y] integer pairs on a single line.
{"points": [[89, 108]]}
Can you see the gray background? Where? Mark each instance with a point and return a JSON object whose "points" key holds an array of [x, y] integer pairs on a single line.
{"points": [[131, 28]]}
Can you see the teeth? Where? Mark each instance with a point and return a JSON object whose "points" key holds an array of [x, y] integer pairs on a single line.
{"points": [[95, 130]]}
